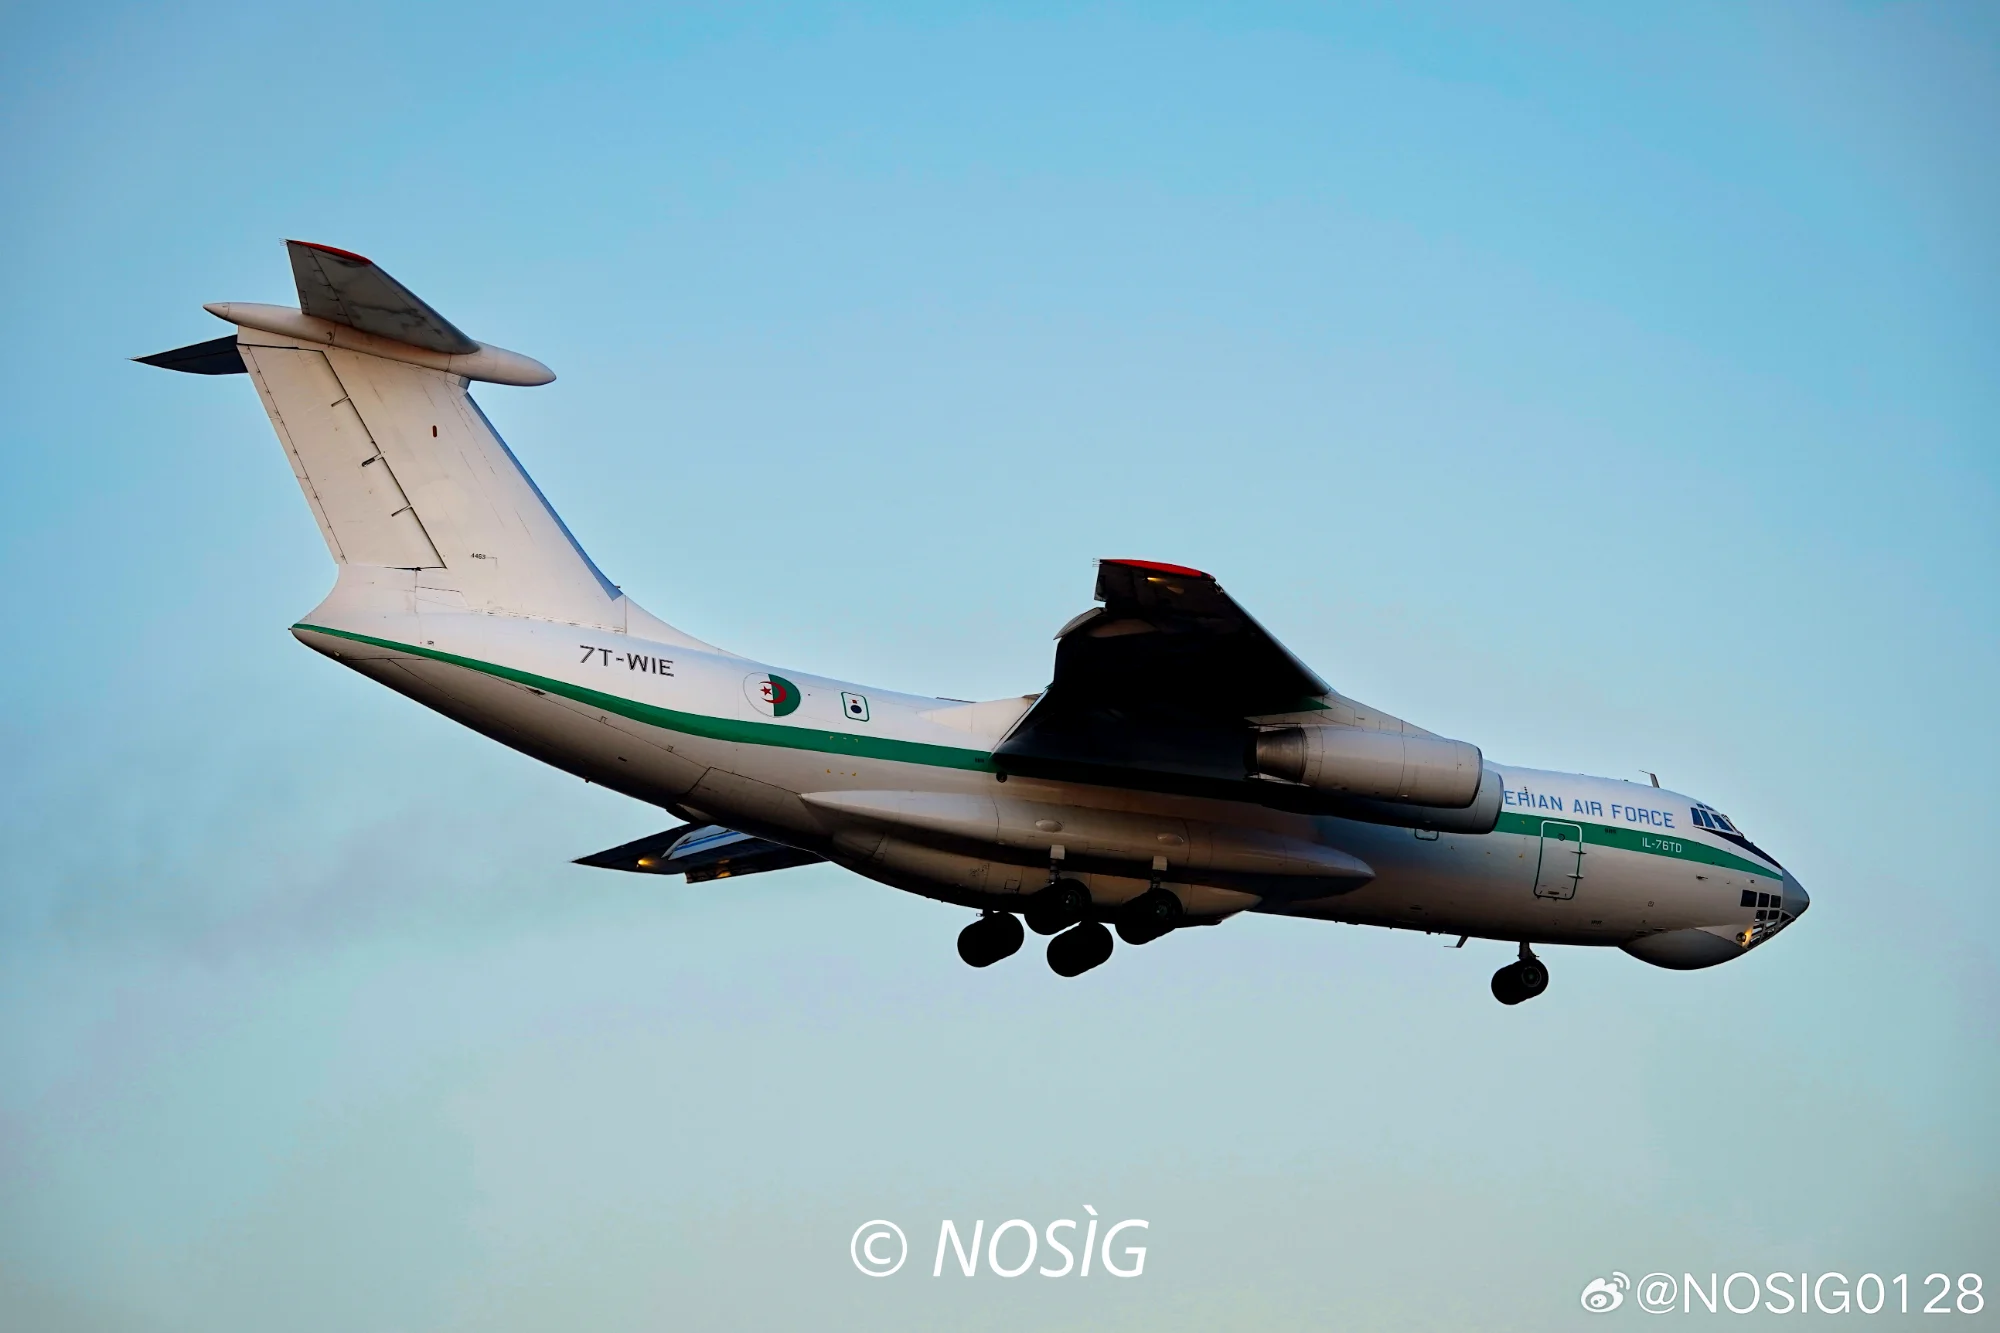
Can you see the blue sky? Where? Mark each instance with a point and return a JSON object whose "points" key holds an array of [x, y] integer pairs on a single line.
{"points": [[1611, 386]]}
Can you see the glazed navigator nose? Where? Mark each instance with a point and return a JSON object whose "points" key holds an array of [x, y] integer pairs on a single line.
{"points": [[1796, 900]]}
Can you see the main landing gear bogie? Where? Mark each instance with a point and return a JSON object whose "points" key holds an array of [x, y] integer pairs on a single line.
{"points": [[1076, 948], [1063, 911], [1522, 980]]}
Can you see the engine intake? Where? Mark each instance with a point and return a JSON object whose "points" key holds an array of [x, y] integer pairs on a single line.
{"points": [[1382, 765]]}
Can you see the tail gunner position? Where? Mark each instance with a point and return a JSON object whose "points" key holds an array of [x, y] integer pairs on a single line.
{"points": [[1181, 766]]}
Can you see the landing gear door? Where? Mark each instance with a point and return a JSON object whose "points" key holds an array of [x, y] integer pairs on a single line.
{"points": [[1561, 864]]}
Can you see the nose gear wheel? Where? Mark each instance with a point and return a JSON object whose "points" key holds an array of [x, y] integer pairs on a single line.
{"points": [[1520, 981]]}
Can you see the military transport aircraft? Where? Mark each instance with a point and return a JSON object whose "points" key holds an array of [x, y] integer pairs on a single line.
{"points": [[1180, 767]]}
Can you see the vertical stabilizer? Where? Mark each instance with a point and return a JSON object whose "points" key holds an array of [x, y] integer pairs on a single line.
{"points": [[412, 487], [363, 511], [365, 385], [403, 470]]}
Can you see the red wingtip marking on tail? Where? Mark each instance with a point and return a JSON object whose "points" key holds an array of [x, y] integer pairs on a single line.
{"points": [[334, 250], [1181, 571]]}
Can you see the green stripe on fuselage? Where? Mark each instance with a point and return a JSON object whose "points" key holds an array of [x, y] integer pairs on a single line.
{"points": [[951, 756], [1644, 841], [700, 724]]}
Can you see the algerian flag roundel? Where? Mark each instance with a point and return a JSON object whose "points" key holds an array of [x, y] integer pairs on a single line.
{"points": [[773, 696]]}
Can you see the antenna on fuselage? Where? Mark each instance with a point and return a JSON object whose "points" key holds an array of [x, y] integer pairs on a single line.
{"points": [[1654, 776]]}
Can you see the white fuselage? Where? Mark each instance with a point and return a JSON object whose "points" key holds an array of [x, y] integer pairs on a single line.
{"points": [[904, 789]]}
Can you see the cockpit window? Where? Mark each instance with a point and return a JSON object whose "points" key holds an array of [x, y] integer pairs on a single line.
{"points": [[1712, 819], [1708, 817]]}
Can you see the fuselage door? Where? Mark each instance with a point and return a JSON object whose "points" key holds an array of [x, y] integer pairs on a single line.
{"points": [[1561, 865]]}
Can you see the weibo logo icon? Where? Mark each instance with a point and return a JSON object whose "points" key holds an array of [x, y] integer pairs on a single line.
{"points": [[1605, 1294]]}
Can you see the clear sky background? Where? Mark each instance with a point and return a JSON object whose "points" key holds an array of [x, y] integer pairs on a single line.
{"points": [[1613, 386]]}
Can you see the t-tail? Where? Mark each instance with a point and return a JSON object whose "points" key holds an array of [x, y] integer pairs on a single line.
{"points": [[416, 494]]}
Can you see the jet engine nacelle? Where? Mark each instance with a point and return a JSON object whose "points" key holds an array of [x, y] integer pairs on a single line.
{"points": [[1381, 765]]}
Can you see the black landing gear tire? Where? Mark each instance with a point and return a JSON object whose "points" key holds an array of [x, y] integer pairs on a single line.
{"points": [[1055, 909], [992, 937], [1149, 916], [1078, 949], [1520, 981]]}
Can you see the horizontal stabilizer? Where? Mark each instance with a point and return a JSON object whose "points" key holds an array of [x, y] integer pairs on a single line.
{"points": [[346, 288], [217, 356], [701, 852]]}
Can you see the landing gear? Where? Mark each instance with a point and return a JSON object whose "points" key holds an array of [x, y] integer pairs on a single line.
{"points": [[1079, 949], [1521, 981], [1058, 907], [1149, 916], [989, 939]]}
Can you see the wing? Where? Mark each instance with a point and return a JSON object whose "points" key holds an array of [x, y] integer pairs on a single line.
{"points": [[348, 289], [701, 852], [1162, 678]]}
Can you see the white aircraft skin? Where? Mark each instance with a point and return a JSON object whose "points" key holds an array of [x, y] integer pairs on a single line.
{"points": [[500, 622]]}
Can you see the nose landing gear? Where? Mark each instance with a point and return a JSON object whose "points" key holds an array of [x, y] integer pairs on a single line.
{"points": [[1521, 981]]}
